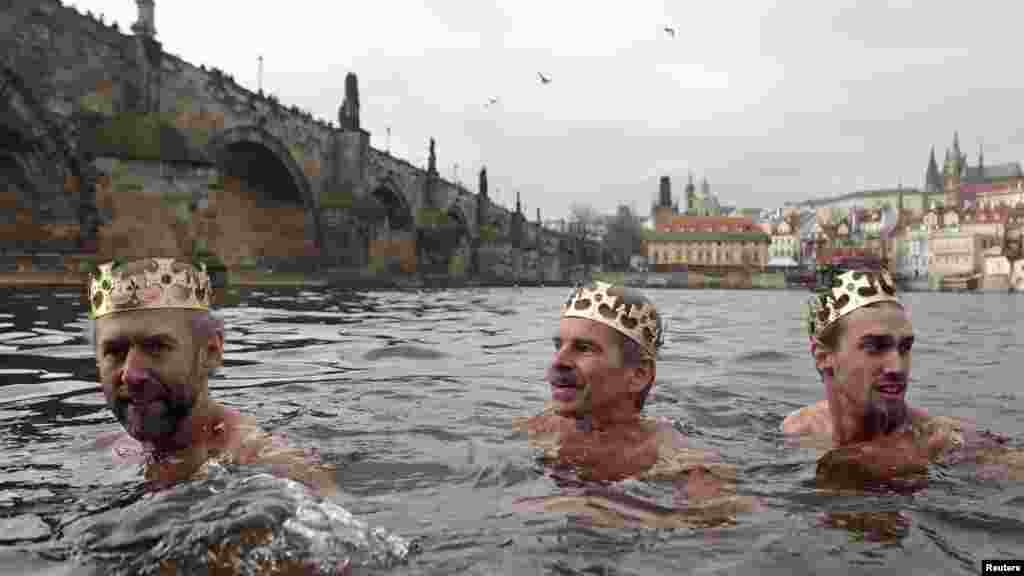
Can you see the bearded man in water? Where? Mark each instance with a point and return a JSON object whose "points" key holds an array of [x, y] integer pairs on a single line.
{"points": [[156, 344], [861, 341], [603, 369]]}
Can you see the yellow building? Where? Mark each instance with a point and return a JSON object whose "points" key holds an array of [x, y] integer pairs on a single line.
{"points": [[989, 225], [706, 242]]}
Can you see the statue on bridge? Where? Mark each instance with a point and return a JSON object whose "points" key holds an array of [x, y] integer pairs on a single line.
{"points": [[483, 183], [432, 159], [348, 114]]}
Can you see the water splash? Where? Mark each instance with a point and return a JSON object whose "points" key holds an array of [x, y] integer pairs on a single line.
{"points": [[255, 524]]}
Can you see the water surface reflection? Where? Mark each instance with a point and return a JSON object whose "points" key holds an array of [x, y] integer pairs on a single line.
{"points": [[413, 396]]}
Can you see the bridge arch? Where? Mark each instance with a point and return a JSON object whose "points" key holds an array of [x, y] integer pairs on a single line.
{"points": [[457, 215], [399, 213], [266, 167], [263, 160], [14, 168]]}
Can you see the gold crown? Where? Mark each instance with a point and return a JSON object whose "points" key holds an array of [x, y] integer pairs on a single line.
{"points": [[148, 284], [627, 311], [849, 290]]}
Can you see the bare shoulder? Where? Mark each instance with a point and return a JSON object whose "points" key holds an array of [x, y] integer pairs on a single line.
{"points": [[543, 423], [679, 456], [250, 444], [813, 419]]}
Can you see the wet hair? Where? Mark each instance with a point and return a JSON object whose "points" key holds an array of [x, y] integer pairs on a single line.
{"points": [[634, 356], [831, 336], [205, 324]]}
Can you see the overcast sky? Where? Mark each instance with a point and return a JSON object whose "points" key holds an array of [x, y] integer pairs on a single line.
{"points": [[772, 101]]}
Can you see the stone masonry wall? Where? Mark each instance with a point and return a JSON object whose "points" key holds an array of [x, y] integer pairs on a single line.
{"points": [[149, 209], [394, 249]]}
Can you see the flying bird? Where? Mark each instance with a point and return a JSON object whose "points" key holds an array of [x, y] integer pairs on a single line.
{"points": [[670, 31], [543, 79], [492, 101]]}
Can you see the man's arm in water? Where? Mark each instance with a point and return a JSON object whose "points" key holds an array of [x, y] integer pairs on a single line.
{"points": [[813, 419], [251, 445], [698, 473], [930, 439]]}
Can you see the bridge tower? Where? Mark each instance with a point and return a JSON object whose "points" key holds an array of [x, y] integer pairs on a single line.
{"points": [[482, 217], [482, 202], [430, 184], [146, 24], [149, 56], [351, 144], [346, 242]]}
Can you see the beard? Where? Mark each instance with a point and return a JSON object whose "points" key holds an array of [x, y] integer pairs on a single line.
{"points": [[156, 409], [158, 418], [883, 416]]}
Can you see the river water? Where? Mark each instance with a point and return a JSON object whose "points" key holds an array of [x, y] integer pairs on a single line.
{"points": [[412, 395]]}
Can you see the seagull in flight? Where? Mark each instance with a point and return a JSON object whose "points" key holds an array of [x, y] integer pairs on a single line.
{"points": [[543, 79], [670, 31]]}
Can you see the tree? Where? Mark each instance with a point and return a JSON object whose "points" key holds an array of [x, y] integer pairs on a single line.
{"points": [[585, 215], [624, 237]]}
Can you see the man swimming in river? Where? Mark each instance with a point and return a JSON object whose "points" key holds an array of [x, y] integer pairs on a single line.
{"points": [[156, 344], [602, 372], [861, 341]]}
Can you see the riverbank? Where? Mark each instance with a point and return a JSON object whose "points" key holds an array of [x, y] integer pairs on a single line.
{"points": [[77, 279], [363, 280]]}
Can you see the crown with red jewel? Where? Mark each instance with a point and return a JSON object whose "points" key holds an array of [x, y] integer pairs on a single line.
{"points": [[148, 284]]}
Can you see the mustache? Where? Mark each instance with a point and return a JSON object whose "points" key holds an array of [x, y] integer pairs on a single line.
{"points": [[562, 377], [142, 385], [895, 378], [147, 386]]}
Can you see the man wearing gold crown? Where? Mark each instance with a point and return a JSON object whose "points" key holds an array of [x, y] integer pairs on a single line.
{"points": [[861, 341], [156, 345], [603, 369]]}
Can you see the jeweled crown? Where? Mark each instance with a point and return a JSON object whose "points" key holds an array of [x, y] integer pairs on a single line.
{"points": [[848, 291], [151, 283], [626, 310]]}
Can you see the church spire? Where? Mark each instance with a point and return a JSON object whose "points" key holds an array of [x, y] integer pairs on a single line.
{"points": [[932, 178], [958, 157]]}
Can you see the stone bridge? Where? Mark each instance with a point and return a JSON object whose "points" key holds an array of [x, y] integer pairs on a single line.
{"points": [[113, 147]]}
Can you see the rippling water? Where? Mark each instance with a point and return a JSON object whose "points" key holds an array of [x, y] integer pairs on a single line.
{"points": [[412, 395]]}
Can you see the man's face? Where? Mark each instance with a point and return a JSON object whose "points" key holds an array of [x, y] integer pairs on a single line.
{"points": [[871, 367], [586, 373], [151, 371]]}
